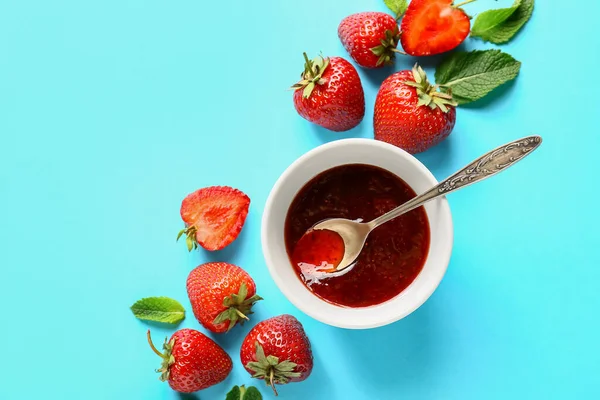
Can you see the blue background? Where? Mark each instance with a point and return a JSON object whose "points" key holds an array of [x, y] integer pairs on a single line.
{"points": [[112, 111]]}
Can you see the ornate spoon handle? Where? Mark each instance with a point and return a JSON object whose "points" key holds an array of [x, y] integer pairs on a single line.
{"points": [[489, 164]]}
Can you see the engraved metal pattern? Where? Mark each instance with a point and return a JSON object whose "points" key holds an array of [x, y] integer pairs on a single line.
{"points": [[491, 163], [485, 166]]}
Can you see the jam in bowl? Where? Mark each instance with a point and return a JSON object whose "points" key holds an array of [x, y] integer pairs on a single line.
{"points": [[393, 255], [403, 261]]}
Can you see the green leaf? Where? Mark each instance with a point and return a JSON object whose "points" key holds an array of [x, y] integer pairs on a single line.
{"points": [[224, 316], [287, 366], [234, 394], [470, 76], [308, 90], [252, 393], [160, 309], [499, 26], [243, 393], [243, 292], [260, 353], [398, 7]]}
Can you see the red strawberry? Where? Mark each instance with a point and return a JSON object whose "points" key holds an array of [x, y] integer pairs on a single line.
{"points": [[411, 113], [330, 94], [221, 295], [371, 38], [433, 26], [192, 361], [213, 216], [278, 351]]}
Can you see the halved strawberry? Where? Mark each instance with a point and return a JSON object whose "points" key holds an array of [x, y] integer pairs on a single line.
{"points": [[213, 216], [433, 26]]}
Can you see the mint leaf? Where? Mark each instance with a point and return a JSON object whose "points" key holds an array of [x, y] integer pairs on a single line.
{"points": [[470, 76], [252, 393], [398, 7], [499, 26], [490, 19], [234, 394], [241, 393], [160, 309]]}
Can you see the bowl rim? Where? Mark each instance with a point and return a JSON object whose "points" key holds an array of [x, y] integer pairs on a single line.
{"points": [[445, 212]]}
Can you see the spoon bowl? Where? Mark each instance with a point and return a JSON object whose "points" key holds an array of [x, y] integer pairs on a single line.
{"points": [[354, 234]]}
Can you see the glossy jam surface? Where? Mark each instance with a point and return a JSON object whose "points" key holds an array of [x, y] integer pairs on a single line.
{"points": [[318, 251], [394, 253]]}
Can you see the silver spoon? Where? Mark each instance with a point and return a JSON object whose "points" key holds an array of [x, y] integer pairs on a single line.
{"points": [[355, 234]]}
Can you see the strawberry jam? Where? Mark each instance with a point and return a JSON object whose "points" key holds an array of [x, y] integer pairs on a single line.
{"points": [[318, 251], [393, 255]]}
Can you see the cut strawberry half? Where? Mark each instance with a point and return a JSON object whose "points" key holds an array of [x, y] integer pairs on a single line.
{"points": [[214, 217], [433, 26]]}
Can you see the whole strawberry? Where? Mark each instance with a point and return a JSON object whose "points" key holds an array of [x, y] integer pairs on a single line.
{"points": [[192, 361], [277, 351], [330, 94], [411, 113], [371, 38], [433, 26], [213, 216], [221, 295]]}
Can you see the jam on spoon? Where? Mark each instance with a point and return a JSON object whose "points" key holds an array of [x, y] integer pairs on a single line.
{"points": [[318, 251]]}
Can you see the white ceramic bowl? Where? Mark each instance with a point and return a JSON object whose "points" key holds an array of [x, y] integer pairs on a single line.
{"points": [[355, 151]]}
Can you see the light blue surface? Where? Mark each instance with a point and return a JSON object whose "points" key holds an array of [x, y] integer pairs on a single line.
{"points": [[112, 111]]}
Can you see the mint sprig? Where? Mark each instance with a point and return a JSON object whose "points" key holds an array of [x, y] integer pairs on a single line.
{"points": [[398, 7], [471, 75], [243, 393], [499, 26], [159, 309]]}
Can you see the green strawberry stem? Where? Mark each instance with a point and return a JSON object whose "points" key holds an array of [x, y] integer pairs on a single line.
{"points": [[463, 3], [167, 356], [271, 376], [308, 66], [387, 49], [399, 52], [190, 240], [428, 94], [154, 349], [239, 313], [312, 75], [238, 307], [270, 369]]}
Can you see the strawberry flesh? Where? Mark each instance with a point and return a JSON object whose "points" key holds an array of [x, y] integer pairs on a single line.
{"points": [[432, 27], [217, 213]]}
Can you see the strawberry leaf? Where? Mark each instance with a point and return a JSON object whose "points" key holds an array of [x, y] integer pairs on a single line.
{"points": [[243, 393], [469, 76], [159, 309], [499, 26], [398, 7]]}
